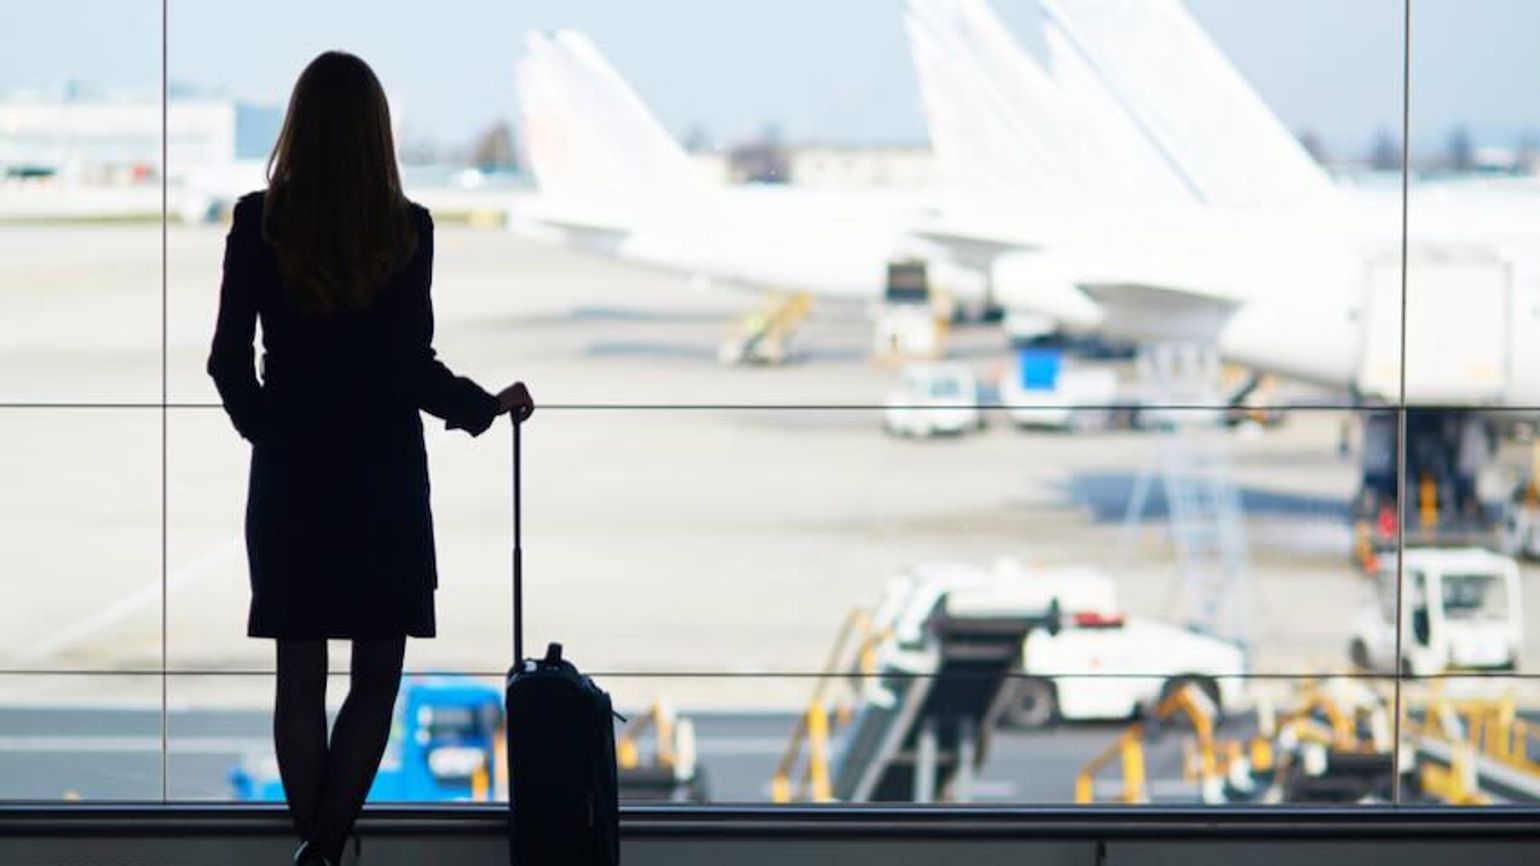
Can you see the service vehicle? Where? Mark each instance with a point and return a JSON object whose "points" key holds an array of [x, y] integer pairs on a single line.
{"points": [[1101, 664], [444, 742], [1461, 610], [911, 319], [1042, 391], [934, 399]]}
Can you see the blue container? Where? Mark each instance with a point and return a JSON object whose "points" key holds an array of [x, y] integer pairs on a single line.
{"points": [[1040, 369]]}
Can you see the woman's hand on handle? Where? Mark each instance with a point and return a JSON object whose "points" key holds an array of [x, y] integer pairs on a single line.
{"points": [[515, 400]]}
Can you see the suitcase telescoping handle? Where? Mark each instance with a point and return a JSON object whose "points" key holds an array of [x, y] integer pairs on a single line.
{"points": [[518, 547]]}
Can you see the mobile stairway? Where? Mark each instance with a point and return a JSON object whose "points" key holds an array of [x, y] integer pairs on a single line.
{"points": [[918, 726]]}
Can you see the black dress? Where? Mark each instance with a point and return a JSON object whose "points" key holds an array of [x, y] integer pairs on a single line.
{"points": [[339, 535]]}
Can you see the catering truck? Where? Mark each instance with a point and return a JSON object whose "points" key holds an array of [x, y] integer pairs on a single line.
{"points": [[1043, 390]]}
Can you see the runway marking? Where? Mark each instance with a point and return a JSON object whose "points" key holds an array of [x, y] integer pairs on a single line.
{"points": [[206, 745], [762, 746], [34, 743], [146, 596]]}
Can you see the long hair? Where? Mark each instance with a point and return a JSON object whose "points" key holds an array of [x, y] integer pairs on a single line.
{"points": [[334, 209]]}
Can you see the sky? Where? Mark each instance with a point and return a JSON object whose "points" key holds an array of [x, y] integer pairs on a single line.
{"points": [[821, 70]]}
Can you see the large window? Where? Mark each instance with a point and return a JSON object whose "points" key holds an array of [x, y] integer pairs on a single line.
{"points": [[1089, 400]]}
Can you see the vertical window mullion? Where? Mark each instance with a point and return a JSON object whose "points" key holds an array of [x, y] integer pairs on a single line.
{"points": [[1401, 488], [165, 733]]}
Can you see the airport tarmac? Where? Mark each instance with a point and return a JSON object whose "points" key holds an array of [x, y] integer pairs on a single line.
{"points": [[683, 518], [50, 754]]}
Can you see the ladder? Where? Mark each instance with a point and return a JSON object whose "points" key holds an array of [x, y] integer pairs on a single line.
{"points": [[1206, 519]]}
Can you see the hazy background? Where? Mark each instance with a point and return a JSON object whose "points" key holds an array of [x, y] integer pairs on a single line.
{"points": [[819, 71]]}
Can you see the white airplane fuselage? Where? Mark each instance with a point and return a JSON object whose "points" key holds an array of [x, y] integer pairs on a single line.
{"points": [[823, 242], [1310, 291]]}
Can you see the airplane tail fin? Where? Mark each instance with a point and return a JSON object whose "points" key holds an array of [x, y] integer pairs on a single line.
{"points": [[979, 84], [980, 144], [590, 141], [575, 169], [1189, 100]]}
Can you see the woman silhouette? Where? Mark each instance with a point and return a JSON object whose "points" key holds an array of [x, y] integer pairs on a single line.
{"points": [[336, 263]]}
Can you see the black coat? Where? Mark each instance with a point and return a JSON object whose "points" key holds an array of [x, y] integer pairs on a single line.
{"points": [[339, 534]]}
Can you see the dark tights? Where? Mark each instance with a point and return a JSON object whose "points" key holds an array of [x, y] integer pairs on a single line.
{"points": [[326, 783]]}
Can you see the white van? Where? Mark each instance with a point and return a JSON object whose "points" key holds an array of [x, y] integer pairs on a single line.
{"points": [[1460, 610], [934, 399]]}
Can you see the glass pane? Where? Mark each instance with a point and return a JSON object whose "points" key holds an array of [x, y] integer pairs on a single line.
{"points": [[74, 737], [80, 194], [209, 594], [1470, 517], [80, 558], [811, 228], [1470, 740], [663, 541], [446, 738], [886, 735], [1471, 313]]}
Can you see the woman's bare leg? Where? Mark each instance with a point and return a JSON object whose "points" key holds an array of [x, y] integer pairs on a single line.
{"points": [[299, 728], [358, 740]]}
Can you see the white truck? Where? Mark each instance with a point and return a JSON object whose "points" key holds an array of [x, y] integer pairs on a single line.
{"points": [[1460, 611], [933, 399], [1041, 391], [1101, 665]]}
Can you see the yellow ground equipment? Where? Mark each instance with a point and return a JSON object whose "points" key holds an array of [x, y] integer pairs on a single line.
{"points": [[851, 660], [764, 336], [1190, 702], [1331, 744], [1474, 751], [1335, 741], [668, 769]]}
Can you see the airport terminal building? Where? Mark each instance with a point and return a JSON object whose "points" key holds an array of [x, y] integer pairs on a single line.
{"points": [[116, 138], [1062, 431]]}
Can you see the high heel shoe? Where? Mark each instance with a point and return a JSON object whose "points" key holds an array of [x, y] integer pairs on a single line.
{"points": [[308, 855]]}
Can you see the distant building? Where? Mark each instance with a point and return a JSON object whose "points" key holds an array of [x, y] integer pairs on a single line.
{"points": [[864, 166], [765, 160], [1385, 152], [827, 166], [116, 138]]}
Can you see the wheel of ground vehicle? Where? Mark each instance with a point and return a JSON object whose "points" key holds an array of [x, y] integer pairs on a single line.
{"points": [[1209, 688], [1033, 704], [1358, 654]]}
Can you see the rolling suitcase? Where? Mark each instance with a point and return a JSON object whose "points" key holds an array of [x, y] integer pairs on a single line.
{"points": [[563, 803]]}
